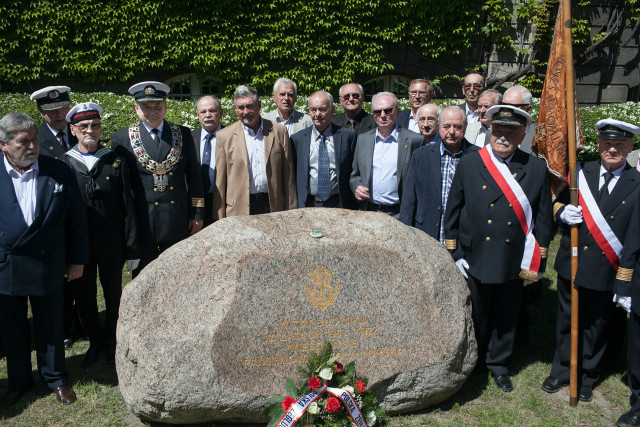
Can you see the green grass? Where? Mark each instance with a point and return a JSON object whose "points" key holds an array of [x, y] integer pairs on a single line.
{"points": [[478, 403]]}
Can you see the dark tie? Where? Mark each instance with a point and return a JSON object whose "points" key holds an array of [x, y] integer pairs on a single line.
{"points": [[206, 161], [156, 134], [61, 140], [324, 179], [604, 190]]}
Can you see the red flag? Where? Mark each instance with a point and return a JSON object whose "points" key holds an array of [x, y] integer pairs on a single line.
{"points": [[551, 137]]}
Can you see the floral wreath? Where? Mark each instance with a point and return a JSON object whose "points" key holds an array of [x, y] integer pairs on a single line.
{"points": [[330, 395]]}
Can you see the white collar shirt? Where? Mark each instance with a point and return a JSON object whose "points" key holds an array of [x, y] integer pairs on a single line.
{"points": [[384, 170], [25, 189], [254, 141], [413, 124], [616, 176], [149, 129], [472, 115]]}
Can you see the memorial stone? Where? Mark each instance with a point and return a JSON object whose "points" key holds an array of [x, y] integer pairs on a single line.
{"points": [[211, 328]]}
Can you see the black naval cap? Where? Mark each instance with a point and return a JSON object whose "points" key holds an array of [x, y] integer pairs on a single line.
{"points": [[52, 97], [149, 91], [506, 115], [616, 129]]}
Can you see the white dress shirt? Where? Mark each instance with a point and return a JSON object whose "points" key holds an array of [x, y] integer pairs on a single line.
{"points": [[257, 165], [26, 189], [472, 116], [616, 176], [314, 149], [149, 129], [413, 124], [384, 170], [66, 135], [286, 123]]}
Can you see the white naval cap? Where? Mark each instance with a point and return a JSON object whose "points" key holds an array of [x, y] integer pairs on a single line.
{"points": [[149, 91], [616, 129], [507, 115], [84, 111], [52, 97]]}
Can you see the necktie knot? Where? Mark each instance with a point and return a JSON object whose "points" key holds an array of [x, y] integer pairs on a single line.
{"points": [[604, 190], [156, 133], [60, 136]]}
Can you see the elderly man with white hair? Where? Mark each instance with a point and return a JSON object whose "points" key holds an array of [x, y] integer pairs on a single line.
{"points": [[285, 94]]}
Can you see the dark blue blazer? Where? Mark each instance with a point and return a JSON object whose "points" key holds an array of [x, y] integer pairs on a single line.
{"points": [[403, 118], [33, 259], [421, 205], [344, 142]]}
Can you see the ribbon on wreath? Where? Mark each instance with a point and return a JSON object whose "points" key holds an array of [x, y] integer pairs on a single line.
{"points": [[291, 417]]}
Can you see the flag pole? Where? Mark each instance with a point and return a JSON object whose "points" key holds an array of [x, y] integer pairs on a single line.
{"points": [[573, 194]]}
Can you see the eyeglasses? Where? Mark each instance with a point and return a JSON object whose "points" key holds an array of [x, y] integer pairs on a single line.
{"points": [[355, 95], [474, 85], [386, 111], [84, 127], [418, 92], [520, 106]]}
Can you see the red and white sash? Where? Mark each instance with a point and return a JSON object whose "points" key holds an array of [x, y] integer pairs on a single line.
{"points": [[597, 225], [515, 195], [291, 417]]}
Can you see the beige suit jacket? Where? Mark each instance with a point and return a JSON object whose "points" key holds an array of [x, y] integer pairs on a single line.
{"points": [[231, 196]]}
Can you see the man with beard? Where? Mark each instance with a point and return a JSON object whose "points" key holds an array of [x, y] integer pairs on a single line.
{"points": [[430, 173], [43, 241], [478, 132], [498, 227], [471, 88], [103, 177], [164, 173], [209, 112]]}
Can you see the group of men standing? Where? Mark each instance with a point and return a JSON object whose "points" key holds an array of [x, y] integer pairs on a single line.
{"points": [[464, 175]]}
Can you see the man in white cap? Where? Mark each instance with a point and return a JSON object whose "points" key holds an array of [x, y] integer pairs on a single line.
{"points": [[608, 192], [164, 171], [103, 177], [498, 226], [54, 134], [43, 241]]}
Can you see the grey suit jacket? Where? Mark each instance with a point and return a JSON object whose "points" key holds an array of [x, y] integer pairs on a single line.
{"points": [[525, 145], [472, 133], [300, 120], [408, 142]]}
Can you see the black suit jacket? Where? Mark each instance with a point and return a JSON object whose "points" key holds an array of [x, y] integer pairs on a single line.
{"points": [[594, 270], [163, 216], [422, 196], [403, 118], [364, 121], [49, 144], [33, 258], [344, 143], [486, 229]]}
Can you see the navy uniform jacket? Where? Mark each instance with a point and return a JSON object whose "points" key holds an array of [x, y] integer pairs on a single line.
{"points": [[49, 144], [594, 269], [33, 259], [485, 228], [108, 199], [422, 196], [408, 142], [627, 281], [364, 121], [163, 216], [344, 142]]}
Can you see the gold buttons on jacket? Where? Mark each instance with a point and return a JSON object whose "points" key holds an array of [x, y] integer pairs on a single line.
{"points": [[488, 239], [586, 248], [155, 189], [624, 203], [507, 241], [171, 188], [509, 224], [170, 173], [510, 205], [156, 203], [107, 178], [612, 217], [489, 222], [491, 205], [484, 187], [603, 254], [172, 202]]}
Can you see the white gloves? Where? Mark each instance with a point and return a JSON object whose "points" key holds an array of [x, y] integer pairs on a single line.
{"points": [[463, 266], [624, 302], [132, 264], [571, 215]]}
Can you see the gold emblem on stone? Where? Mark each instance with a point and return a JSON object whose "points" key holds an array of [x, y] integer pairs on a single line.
{"points": [[321, 294]]}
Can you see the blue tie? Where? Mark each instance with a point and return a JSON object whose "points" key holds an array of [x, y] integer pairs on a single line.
{"points": [[206, 161], [324, 179]]}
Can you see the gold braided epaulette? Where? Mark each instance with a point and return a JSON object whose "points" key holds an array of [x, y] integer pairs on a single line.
{"points": [[556, 207], [197, 202], [450, 244], [544, 252], [624, 274]]}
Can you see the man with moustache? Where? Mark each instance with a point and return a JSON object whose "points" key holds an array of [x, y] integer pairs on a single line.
{"points": [[497, 227], [164, 172], [471, 88], [323, 155], [520, 97], [609, 190], [420, 93], [209, 112], [285, 94], [428, 116], [430, 174], [254, 163], [478, 132], [103, 177], [381, 159], [43, 241], [54, 134], [354, 117]]}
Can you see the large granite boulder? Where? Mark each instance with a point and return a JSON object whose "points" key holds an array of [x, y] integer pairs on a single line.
{"points": [[216, 323]]}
